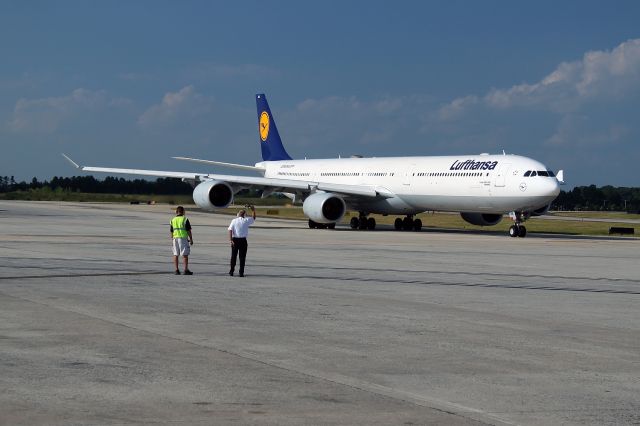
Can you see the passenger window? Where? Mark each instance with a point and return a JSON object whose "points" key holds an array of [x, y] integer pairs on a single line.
{"points": [[527, 173]]}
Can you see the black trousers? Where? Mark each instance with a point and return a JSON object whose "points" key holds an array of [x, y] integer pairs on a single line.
{"points": [[239, 247]]}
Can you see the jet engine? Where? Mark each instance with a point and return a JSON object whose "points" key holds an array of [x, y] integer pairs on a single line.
{"points": [[324, 207], [213, 194], [482, 219]]}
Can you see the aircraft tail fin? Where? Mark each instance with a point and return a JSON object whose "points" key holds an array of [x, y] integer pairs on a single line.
{"points": [[270, 142]]}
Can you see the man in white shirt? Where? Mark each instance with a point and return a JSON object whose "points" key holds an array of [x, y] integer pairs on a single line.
{"points": [[238, 231]]}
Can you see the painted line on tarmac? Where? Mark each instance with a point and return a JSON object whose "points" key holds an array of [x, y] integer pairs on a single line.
{"points": [[541, 287], [97, 274], [450, 284], [346, 268]]}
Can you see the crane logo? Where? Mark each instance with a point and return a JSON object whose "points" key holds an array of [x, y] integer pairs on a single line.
{"points": [[263, 126]]}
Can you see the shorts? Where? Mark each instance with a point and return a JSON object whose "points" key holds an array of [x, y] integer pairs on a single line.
{"points": [[181, 247]]}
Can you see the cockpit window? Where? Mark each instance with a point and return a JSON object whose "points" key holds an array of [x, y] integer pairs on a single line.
{"points": [[533, 173], [551, 174], [542, 173], [527, 173]]}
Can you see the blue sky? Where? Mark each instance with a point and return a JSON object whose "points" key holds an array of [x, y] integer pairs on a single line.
{"points": [[130, 84]]}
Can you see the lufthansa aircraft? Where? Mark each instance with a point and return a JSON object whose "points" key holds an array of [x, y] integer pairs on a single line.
{"points": [[482, 188]]}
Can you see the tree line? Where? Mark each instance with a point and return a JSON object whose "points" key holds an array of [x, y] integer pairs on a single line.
{"points": [[590, 197], [110, 185], [579, 198]]}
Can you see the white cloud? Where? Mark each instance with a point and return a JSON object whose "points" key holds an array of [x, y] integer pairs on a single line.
{"points": [[456, 107], [600, 75], [176, 107], [574, 128], [45, 115]]}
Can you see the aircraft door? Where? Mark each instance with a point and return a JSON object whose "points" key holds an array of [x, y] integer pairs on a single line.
{"points": [[409, 175], [501, 175]]}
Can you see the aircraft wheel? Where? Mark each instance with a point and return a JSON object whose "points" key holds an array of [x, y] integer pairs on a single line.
{"points": [[331, 225], [312, 224], [522, 232], [397, 224], [407, 224], [363, 223], [371, 223], [354, 223], [513, 231], [417, 225]]}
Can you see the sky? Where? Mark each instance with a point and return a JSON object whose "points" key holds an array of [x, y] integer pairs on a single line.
{"points": [[131, 84]]}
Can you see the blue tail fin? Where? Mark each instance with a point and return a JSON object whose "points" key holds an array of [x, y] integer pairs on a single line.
{"points": [[270, 142]]}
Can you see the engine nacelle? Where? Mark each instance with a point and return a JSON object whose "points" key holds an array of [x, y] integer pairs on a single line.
{"points": [[541, 211], [482, 219], [324, 207], [213, 194]]}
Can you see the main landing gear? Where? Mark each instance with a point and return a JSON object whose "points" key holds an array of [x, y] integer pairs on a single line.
{"points": [[316, 225], [363, 222], [408, 224], [517, 229]]}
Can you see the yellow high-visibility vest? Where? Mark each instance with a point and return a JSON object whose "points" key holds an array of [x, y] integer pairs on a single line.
{"points": [[179, 224]]}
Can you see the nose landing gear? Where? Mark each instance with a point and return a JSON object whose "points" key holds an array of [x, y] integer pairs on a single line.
{"points": [[517, 229]]}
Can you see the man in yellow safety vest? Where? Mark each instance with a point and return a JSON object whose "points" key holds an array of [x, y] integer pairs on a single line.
{"points": [[180, 230]]}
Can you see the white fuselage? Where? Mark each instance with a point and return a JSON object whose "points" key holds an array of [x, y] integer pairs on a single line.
{"points": [[466, 183]]}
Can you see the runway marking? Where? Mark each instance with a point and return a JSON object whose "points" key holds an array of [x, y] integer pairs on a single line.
{"points": [[357, 279], [450, 284], [372, 280], [337, 268], [96, 274], [436, 404], [490, 274]]}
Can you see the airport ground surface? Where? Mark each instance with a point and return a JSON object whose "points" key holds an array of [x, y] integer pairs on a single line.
{"points": [[328, 327]]}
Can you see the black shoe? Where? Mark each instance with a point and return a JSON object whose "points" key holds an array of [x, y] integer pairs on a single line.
{"points": [[241, 275], [177, 272], [188, 272], [230, 273]]}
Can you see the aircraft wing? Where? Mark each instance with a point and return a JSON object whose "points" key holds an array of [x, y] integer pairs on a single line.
{"points": [[287, 185], [157, 173], [220, 163], [273, 184]]}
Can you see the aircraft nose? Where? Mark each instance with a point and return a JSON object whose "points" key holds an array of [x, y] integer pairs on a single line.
{"points": [[547, 187], [553, 187]]}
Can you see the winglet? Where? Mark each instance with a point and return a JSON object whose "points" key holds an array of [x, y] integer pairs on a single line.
{"points": [[72, 162]]}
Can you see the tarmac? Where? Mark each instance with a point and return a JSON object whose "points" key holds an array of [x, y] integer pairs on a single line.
{"points": [[328, 327]]}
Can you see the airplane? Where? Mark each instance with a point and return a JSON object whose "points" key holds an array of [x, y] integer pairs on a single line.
{"points": [[482, 188]]}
